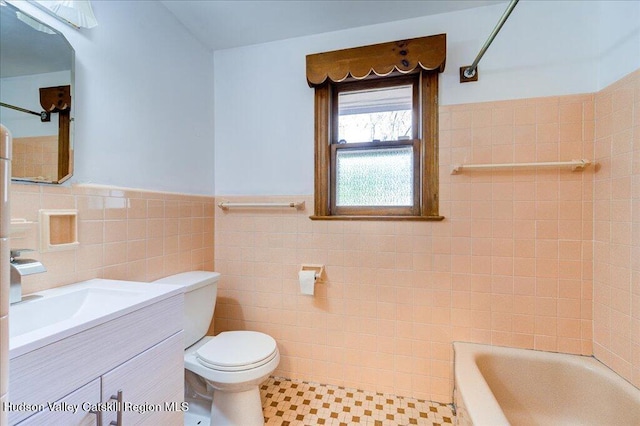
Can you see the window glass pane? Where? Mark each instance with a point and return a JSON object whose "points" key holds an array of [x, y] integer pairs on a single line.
{"points": [[374, 177], [375, 114]]}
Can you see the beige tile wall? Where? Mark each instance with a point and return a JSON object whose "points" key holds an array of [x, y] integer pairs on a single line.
{"points": [[510, 265], [123, 234], [35, 156], [617, 228]]}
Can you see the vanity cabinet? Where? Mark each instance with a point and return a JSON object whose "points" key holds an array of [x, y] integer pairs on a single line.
{"points": [[65, 416], [152, 383], [139, 354]]}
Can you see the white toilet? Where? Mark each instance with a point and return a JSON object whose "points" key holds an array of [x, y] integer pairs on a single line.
{"points": [[230, 365]]}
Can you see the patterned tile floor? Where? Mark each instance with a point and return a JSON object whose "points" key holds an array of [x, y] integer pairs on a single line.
{"points": [[291, 402]]}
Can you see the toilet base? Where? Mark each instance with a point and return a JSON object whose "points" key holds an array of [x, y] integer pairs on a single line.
{"points": [[237, 408], [191, 419]]}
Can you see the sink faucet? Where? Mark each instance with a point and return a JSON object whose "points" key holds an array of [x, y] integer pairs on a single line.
{"points": [[20, 268]]}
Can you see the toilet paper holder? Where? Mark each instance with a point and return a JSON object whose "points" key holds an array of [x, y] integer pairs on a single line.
{"points": [[318, 269]]}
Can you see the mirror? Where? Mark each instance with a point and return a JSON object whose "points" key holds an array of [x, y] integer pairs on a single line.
{"points": [[36, 84]]}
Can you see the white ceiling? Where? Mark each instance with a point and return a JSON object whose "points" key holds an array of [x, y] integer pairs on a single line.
{"points": [[221, 24]]}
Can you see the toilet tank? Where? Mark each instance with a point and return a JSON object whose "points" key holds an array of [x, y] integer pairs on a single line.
{"points": [[200, 290]]}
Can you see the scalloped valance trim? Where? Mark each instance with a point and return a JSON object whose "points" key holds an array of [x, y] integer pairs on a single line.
{"points": [[403, 56]]}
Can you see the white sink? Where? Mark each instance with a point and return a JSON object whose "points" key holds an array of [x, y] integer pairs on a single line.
{"points": [[51, 315]]}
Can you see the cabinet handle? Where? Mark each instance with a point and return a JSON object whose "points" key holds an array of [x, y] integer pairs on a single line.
{"points": [[118, 398], [98, 417]]}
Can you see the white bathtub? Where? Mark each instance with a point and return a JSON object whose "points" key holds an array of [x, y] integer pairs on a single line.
{"points": [[497, 386]]}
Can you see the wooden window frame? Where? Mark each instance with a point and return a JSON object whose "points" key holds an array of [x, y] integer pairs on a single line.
{"points": [[427, 208], [424, 57]]}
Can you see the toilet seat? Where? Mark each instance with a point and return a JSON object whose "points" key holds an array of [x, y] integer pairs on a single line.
{"points": [[237, 351]]}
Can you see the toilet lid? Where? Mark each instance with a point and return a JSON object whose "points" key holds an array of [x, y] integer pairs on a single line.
{"points": [[237, 350]]}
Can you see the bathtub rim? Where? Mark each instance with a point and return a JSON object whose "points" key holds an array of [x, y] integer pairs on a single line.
{"points": [[483, 408]]}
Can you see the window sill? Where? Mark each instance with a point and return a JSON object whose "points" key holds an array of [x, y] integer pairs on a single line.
{"points": [[399, 218]]}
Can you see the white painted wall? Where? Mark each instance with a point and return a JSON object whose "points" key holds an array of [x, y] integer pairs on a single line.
{"points": [[143, 99], [618, 40], [144, 87], [24, 92], [264, 114]]}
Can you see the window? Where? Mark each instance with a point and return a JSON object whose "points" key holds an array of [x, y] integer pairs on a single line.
{"points": [[375, 149], [376, 133]]}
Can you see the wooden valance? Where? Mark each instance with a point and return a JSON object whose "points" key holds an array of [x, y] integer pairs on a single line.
{"points": [[404, 56], [55, 99]]}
